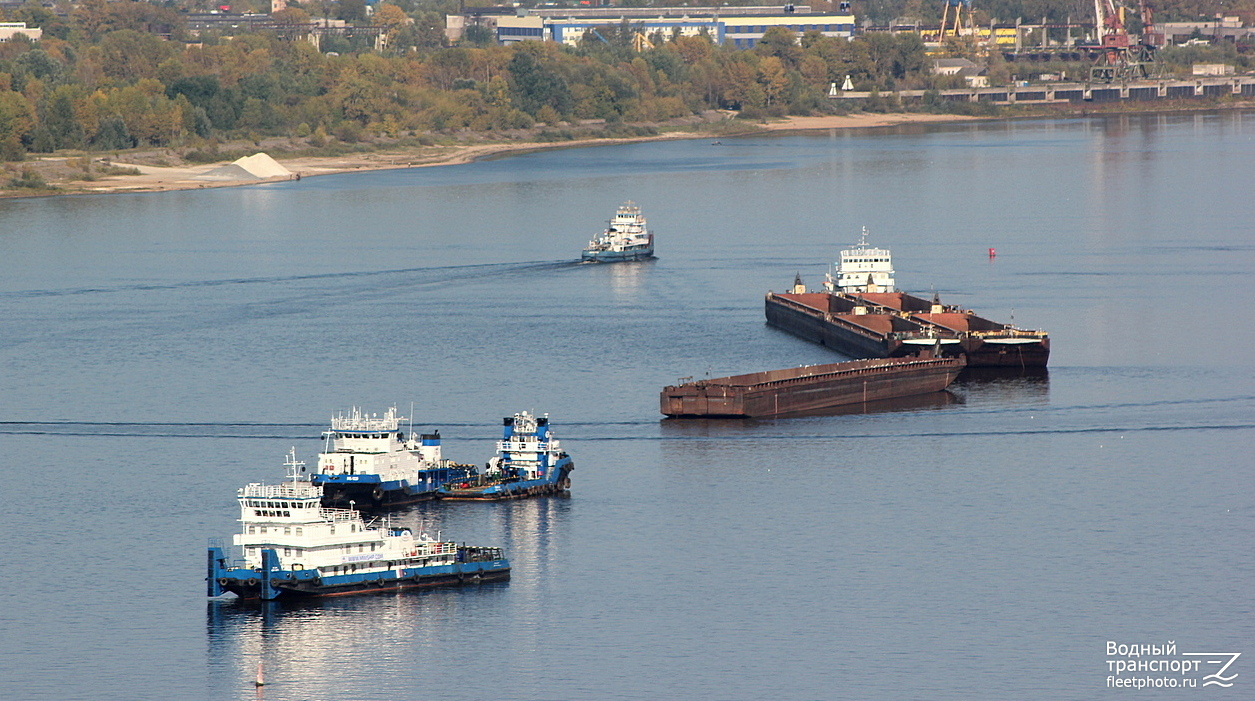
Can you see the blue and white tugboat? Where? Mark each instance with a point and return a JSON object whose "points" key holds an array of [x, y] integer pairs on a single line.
{"points": [[371, 462], [294, 547], [529, 462], [626, 238]]}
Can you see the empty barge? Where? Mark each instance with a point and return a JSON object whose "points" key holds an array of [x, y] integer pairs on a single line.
{"points": [[809, 388], [862, 315]]}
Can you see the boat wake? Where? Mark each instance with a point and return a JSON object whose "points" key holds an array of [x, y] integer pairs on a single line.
{"points": [[440, 274], [643, 430], [233, 429]]}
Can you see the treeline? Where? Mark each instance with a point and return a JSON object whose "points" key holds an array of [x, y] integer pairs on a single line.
{"points": [[99, 87], [103, 79]]}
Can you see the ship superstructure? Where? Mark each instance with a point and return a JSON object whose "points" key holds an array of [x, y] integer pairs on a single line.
{"points": [[626, 238], [292, 546], [530, 461], [862, 268], [371, 462]]}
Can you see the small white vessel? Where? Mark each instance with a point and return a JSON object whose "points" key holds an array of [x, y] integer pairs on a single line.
{"points": [[626, 238]]}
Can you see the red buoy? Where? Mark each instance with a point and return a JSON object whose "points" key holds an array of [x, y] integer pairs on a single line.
{"points": [[992, 253]]}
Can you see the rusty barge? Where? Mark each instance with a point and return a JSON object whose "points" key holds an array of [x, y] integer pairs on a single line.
{"points": [[861, 314], [809, 388]]}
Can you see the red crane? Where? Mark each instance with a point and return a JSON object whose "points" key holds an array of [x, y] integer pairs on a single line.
{"points": [[1118, 58]]}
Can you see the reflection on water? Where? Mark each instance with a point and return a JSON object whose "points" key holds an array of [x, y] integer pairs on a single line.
{"points": [[306, 643], [1009, 386], [627, 277], [625, 280]]}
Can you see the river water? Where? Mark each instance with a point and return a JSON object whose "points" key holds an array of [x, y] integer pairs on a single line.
{"points": [[161, 350]]}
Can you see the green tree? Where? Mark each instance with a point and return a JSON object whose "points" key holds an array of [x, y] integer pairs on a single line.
{"points": [[17, 118], [112, 135], [535, 85], [61, 119], [39, 64], [352, 10], [780, 42]]}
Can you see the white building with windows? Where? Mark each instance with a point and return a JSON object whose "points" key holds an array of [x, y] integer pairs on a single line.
{"points": [[8, 30], [740, 26]]}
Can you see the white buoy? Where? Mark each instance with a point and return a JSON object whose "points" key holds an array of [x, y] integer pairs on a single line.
{"points": [[261, 680]]}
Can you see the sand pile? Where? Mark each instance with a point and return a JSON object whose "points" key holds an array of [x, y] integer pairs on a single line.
{"points": [[258, 166]]}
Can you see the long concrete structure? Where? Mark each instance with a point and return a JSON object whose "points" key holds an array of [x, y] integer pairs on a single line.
{"points": [[1044, 93]]}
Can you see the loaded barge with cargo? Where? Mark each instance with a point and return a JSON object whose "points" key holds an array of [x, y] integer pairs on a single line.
{"points": [[295, 547], [861, 314], [809, 388]]}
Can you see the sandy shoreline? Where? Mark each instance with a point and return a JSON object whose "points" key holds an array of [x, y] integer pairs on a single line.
{"points": [[164, 179]]}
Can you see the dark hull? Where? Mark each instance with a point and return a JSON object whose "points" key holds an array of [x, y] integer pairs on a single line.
{"points": [[316, 588], [474, 565], [368, 496], [382, 496], [989, 355], [616, 256], [809, 389], [884, 333], [491, 490], [844, 338]]}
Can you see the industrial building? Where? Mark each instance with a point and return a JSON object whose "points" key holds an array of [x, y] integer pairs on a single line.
{"points": [[741, 27]]}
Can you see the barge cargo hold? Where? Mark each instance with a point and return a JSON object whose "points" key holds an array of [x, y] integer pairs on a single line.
{"points": [[861, 314], [896, 324], [809, 388]]}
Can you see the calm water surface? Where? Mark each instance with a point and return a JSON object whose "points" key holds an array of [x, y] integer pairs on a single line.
{"points": [[160, 351]]}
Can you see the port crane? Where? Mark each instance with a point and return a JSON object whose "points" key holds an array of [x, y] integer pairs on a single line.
{"points": [[1119, 58], [958, 6]]}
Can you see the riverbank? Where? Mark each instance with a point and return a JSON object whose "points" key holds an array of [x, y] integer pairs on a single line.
{"points": [[163, 170]]}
